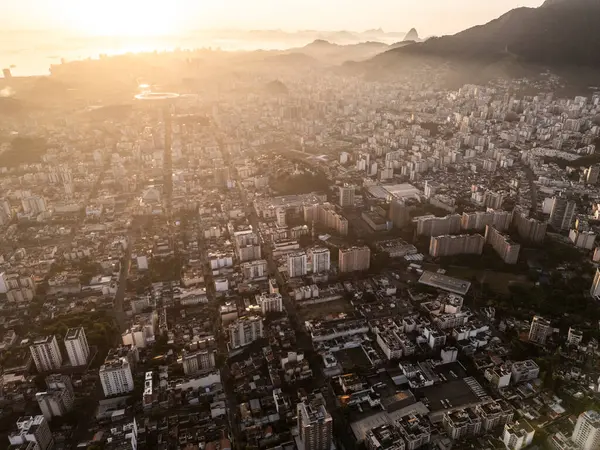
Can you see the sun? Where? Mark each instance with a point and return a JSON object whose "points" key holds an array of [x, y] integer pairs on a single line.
{"points": [[132, 18]]}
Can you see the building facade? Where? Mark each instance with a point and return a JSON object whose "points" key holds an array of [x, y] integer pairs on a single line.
{"points": [[539, 330], [507, 249], [244, 331], [346, 196], [450, 245], [58, 399], [77, 347], [315, 427], [116, 376], [297, 264], [270, 302], [320, 259], [354, 259], [32, 429], [46, 354], [587, 431], [562, 213]]}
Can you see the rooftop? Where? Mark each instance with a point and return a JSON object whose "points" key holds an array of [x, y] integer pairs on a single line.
{"points": [[445, 282], [43, 340], [73, 333]]}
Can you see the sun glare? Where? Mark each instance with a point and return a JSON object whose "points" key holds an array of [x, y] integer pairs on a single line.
{"points": [[134, 18]]}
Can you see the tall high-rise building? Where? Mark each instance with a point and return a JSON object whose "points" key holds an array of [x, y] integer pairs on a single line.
{"points": [[507, 249], [587, 431], [297, 264], [46, 354], [58, 399], [247, 245], [197, 361], [449, 245], [32, 429], [354, 259], [116, 372], [269, 302], [595, 289], [245, 330], [346, 196], [320, 259], [438, 226], [518, 435], [592, 174], [281, 216], [248, 252], [116, 376], [34, 205], [415, 429], [77, 346], [562, 213], [315, 427], [539, 330], [325, 214], [500, 220], [530, 229], [582, 239], [254, 269], [399, 213], [493, 199]]}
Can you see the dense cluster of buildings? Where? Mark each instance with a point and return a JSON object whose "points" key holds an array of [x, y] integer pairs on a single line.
{"points": [[253, 313]]}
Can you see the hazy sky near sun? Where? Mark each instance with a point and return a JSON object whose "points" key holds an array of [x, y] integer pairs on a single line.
{"points": [[430, 17]]}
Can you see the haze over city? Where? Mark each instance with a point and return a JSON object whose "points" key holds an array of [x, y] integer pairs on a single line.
{"points": [[152, 17], [300, 225]]}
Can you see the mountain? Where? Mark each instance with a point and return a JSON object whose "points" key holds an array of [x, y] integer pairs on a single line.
{"points": [[276, 87], [559, 33], [330, 53], [412, 35]]}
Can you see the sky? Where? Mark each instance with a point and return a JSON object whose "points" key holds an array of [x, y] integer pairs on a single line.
{"points": [[154, 17]]}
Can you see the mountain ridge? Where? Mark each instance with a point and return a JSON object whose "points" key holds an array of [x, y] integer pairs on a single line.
{"points": [[560, 32]]}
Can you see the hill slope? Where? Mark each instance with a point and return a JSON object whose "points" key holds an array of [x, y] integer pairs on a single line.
{"points": [[330, 53], [559, 33]]}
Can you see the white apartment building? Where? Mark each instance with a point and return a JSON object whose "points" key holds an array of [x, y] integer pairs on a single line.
{"points": [[582, 239], [270, 302], [587, 431], [58, 399], [595, 289], [346, 196], [518, 435], [254, 269], [574, 337], [354, 259], [315, 426], [540, 330], [77, 347], [33, 205], [524, 371], [32, 429], [297, 264], [46, 354], [245, 331], [116, 377], [198, 361], [320, 259]]}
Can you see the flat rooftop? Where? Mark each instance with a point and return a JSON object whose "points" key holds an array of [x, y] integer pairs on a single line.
{"points": [[72, 333], [399, 191], [444, 282], [43, 340], [457, 392]]}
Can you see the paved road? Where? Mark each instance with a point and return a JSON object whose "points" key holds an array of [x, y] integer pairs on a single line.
{"points": [[533, 191], [120, 295]]}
